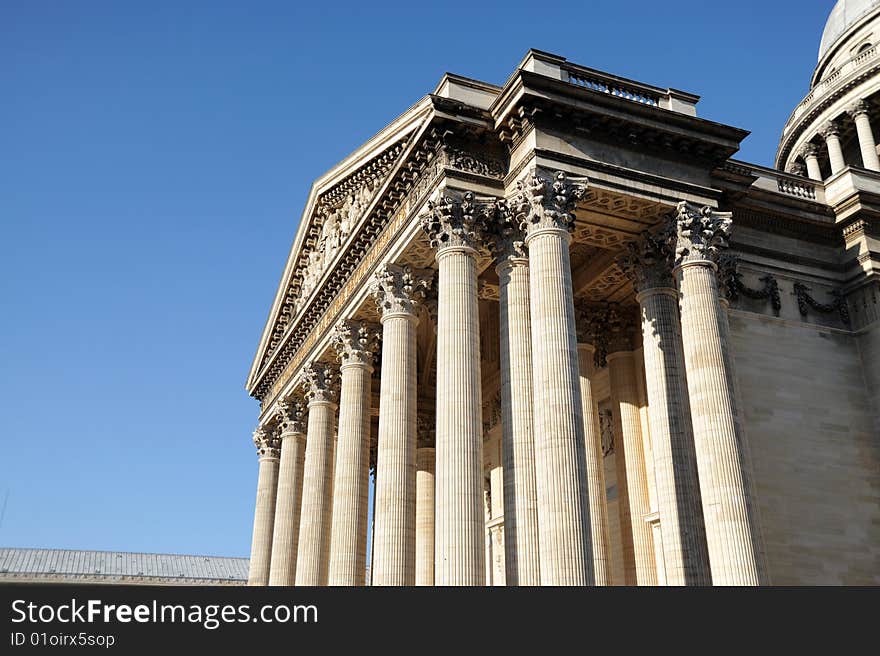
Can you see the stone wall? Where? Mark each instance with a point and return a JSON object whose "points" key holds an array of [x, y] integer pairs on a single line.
{"points": [[815, 453]]}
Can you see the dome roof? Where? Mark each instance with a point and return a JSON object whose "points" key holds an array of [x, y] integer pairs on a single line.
{"points": [[843, 16]]}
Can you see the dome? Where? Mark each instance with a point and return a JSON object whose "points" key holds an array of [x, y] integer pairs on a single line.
{"points": [[845, 14]]}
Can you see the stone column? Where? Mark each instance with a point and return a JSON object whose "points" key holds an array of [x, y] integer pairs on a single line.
{"points": [[733, 533], [267, 445], [453, 226], [545, 207], [648, 263], [290, 481], [859, 113], [522, 555], [425, 514], [810, 153], [831, 132], [599, 530], [312, 562], [355, 343], [632, 479], [397, 291]]}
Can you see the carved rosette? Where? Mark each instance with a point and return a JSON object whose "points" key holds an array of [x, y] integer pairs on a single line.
{"points": [[647, 262], [291, 416], [355, 342], [541, 203], [321, 383], [268, 442], [399, 289], [701, 233], [505, 234], [453, 222]]}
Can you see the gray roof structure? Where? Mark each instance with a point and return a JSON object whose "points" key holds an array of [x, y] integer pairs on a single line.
{"points": [[118, 566]]}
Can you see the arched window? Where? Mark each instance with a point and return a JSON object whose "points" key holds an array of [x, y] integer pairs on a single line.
{"points": [[864, 47]]}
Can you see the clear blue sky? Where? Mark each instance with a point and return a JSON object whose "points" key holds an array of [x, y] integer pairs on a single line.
{"points": [[155, 160]]}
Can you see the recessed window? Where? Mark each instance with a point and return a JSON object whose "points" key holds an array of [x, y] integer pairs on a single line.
{"points": [[864, 47]]}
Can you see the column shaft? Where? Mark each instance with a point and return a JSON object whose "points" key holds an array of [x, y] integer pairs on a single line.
{"points": [[264, 520], [394, 541], [522, 552], [425, 516], [287, 509], [312, 563], [813, 169], [835, 152], [560, 460], [459, 542], [729, 509], [348, 535], [632, 484], [685, 555], [599, 530], [867, 143]]}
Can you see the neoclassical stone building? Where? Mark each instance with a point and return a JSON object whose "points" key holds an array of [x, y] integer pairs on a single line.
{"points": [[576, 342]]}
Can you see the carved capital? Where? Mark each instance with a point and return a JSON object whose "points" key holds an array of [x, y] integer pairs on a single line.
{"points": [[425, 431], [399, 289], [321, 382], [701, 233], [607, 327], [830, 129], [648, 261], [291, 416], [456, 222], [541, 202], [809, 150], [858, 108], [267, 442], [505, 233], [355, 342]]}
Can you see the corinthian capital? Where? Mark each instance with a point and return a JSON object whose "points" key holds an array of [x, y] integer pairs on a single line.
{"points": [[542, 202], [830, 129], [809, 150], [607, 327], [320, 382], [399, 289], [456, 222], [647, 262], [505, 232], [701, 233], [291, 416], [267, 442], [355, 342], [857, 108]]}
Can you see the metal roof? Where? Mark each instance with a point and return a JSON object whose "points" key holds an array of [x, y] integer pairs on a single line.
{"points": [[120, 564]]}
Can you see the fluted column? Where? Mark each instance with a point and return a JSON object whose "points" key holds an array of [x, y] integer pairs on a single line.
{"points": [[267, 445], [285, 536], [831, 132], [632, 478], [810, 153], [733, 534], [425, 515], [599, 530], [397, 291], [868, 145], [648, 263], [312, 563], [355, 343], [545, 206], [522, 557], [452, 225]]}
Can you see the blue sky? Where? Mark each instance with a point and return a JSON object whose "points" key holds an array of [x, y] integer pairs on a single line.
{"points": [[155, 160]]}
